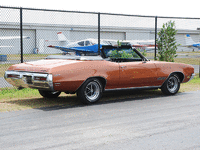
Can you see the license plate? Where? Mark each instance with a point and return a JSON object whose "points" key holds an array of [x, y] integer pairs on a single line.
{"points": [[29, 80]]}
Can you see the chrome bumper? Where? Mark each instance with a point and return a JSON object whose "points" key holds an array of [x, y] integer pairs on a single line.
{"points": [[192, 76], [29, 80]]}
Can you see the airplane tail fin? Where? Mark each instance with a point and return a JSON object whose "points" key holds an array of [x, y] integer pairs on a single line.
{"points": [[63, 41], [189, 40]]}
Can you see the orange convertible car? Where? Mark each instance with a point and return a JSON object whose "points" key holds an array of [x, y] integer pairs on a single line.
{"points": [[88, 76]]}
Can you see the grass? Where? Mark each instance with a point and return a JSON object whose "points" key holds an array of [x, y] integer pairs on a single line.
{"points": [[3, 68], [192, 61], [189, 53], [188, 60], [193, 85], [13, 93], [13, 99]]}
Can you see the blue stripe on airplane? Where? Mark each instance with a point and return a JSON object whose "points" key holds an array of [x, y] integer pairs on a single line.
{"points": [[90, 49], [187, 35], [196, 45]]}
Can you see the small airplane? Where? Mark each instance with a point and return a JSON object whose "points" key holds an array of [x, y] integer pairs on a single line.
{"points": [[87, 46], [13, 37], [190, 43], [5, 46], [147, 45], [10, 38], [90, 46]]}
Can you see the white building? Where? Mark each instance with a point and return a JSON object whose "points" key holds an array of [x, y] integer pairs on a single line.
{"points": [[40, 33]]}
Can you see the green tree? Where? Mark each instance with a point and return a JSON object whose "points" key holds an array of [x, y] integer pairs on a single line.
{"points": [[167, 44], [143, 53], [121, 54]]}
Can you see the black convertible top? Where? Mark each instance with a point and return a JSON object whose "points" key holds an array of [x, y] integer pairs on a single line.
{"points": [[74, 57]]}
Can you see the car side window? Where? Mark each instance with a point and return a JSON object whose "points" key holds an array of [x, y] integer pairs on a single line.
{"points": [[122, 55], [135, 55]]}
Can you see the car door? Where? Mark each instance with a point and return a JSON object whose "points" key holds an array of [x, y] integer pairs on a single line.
{"points": [[138, 74]]}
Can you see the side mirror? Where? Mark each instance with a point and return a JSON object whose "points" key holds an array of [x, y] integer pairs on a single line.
{"points": [[144, 60]]}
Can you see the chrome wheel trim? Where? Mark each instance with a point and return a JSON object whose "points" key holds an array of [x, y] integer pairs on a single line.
{"points": [[55, 92], [172, 84], [92, 91]]}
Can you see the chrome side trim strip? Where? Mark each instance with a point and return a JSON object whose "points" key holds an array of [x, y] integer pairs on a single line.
{"points": [[135, 88]]}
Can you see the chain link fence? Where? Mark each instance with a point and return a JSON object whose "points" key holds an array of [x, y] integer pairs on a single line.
{"points": [[32, 34]]}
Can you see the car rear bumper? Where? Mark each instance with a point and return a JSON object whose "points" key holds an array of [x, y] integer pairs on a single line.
{"points": [[30, 80]]}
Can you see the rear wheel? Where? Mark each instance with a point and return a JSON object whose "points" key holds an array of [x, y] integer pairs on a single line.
{"points": [[171, 85], [90, 92], [49, 94]]}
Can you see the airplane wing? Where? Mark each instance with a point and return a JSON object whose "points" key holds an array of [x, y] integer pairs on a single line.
{"points": [[5, 46], [185, 45], [197, 45], [13, 37], [69, 49], [150, 48]]}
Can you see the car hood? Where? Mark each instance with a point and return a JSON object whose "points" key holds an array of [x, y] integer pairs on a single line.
{"points": [[174, 67], [172, 63]]}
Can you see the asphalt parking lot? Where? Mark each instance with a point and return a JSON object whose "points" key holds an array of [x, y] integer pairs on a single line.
{"points": [[164, 122]]}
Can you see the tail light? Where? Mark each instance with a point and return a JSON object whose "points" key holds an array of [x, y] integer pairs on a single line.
{"points": [[40, 78], [13, 76]]}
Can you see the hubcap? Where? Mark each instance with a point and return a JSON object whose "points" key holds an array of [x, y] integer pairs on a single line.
{"points": [[92, 91], [54, 92], [172, 84]]}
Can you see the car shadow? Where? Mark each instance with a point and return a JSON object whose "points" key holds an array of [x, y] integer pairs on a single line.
{"points": [[110, 97], [71, 101]]}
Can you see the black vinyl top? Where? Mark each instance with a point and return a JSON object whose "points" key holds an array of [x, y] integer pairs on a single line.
{"points": [[74, 57]]}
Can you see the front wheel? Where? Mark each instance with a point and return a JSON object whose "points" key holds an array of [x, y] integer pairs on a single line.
{"points": [[171, 85], [49, 94], [90, 92]]}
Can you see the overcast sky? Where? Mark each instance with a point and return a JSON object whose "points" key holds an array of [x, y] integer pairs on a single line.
{"points": [[169, 8]]}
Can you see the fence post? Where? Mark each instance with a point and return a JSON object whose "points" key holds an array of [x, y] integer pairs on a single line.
{"points": [[99, 34], [21, 35], [155, 37]]}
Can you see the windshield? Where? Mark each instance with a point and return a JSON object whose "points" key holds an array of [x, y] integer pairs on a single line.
{"points": [[121, 53]]}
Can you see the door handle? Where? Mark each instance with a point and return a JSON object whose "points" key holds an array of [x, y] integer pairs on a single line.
{"points": [[123, 67]]}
